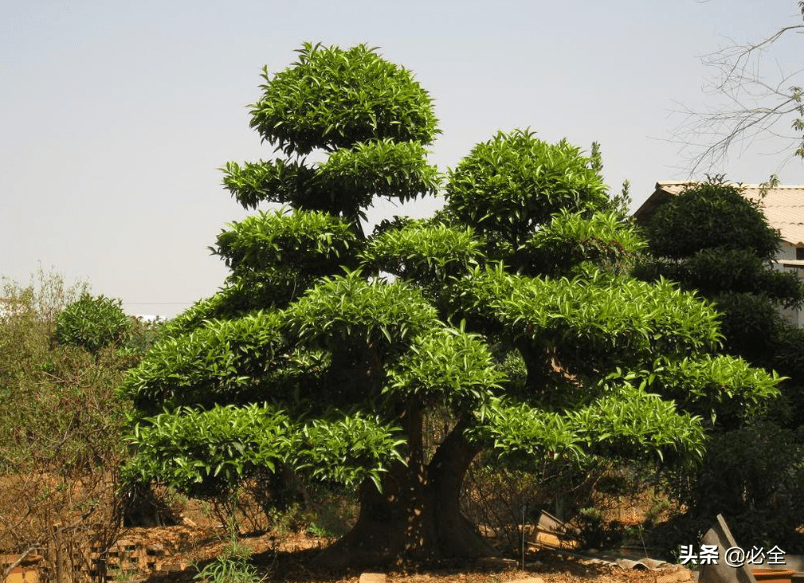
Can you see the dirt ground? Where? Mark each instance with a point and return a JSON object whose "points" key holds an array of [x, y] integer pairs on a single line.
{"points": [[173, 554]]}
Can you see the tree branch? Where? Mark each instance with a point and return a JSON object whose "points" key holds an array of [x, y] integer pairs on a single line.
{"points": [[33, 546], [753, 106]]}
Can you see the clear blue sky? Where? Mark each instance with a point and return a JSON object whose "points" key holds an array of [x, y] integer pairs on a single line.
{"points": [[115, 116]]}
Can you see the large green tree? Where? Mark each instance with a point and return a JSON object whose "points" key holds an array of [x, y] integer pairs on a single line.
{"points": [[713, 240], [328, 349]]}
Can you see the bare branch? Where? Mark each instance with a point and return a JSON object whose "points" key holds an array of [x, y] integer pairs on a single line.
{"points": [[31, 548], [7, 571], [748, 106]]}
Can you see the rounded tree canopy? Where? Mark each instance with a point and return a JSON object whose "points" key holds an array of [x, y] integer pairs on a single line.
{"points": [[708, 216], [92, 323], [310, 242], [333, 98], [515, 182]]}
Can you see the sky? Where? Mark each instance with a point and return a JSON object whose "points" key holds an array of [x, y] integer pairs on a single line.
{"points": [[115, 117]]}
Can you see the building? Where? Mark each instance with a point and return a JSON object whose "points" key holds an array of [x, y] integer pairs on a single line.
{"points": [[783, 207]]}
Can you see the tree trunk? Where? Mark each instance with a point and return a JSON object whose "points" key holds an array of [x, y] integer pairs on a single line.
{"points": [[417, 515]]}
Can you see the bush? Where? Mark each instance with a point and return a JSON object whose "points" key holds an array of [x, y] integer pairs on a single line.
{"points": [[752, 476], [92, 323], [60, 425], [711, 215]]}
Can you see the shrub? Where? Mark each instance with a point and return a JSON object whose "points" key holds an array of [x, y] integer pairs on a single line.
{"points": [[60, 426], [752, 476], [92, 323]]}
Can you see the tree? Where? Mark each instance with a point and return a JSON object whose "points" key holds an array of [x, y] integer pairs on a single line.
{"points": [[328, 349], [61, 423], [92, 323], [753, 105], [713, 240]]}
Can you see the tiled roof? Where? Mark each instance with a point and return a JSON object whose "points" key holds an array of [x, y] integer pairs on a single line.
{"points": [[783, 206]]}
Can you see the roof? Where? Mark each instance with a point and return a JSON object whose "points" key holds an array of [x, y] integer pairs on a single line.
{"points": [[783, 205]]}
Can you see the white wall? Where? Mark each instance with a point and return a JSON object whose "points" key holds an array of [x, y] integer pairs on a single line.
{"points": [[787, 252]]}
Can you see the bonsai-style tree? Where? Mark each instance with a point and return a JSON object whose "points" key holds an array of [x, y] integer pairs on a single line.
{"points": [[713, 240], [328, 349]]}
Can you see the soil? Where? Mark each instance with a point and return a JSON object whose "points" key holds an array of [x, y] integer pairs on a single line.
{"points": [[175, 553]]}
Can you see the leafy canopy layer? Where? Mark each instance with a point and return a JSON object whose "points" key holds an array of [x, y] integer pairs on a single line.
{"points": [[327, 348]]}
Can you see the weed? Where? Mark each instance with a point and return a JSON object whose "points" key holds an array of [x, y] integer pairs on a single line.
{"points": [[228, 570], [121, 575], [320, 531], [233, 565]]}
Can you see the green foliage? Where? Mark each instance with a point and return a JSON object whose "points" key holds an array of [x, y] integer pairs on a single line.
{"points": [[602, 318], [92, 323], [143, 334], [336, 355], [518, 430], [571, 238], [714, 385], [57, 400], [348, 308], [446, 365], [218, 362], [713, 271], [348, 450], [232, 565], [715, 241], [319, 531], [346, 182], [205, 309], [624, 423], [753, 476], [275, 256], [636, 424], [61, 422], [306, 242], [41, 300], [333, 98], [787, 350], [371, 117], [513, 183], [423, 253], [378, 168], [228, 568], [712, 239], [711, 215], [272, 181], [207, 452]]}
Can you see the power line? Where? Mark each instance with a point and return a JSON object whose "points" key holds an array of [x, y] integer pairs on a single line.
{"points": [[158, 303]]}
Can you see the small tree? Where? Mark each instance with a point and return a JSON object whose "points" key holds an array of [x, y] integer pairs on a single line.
{"points": [[713, 240], [313, 358], [61, 426], [92, 323]]}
